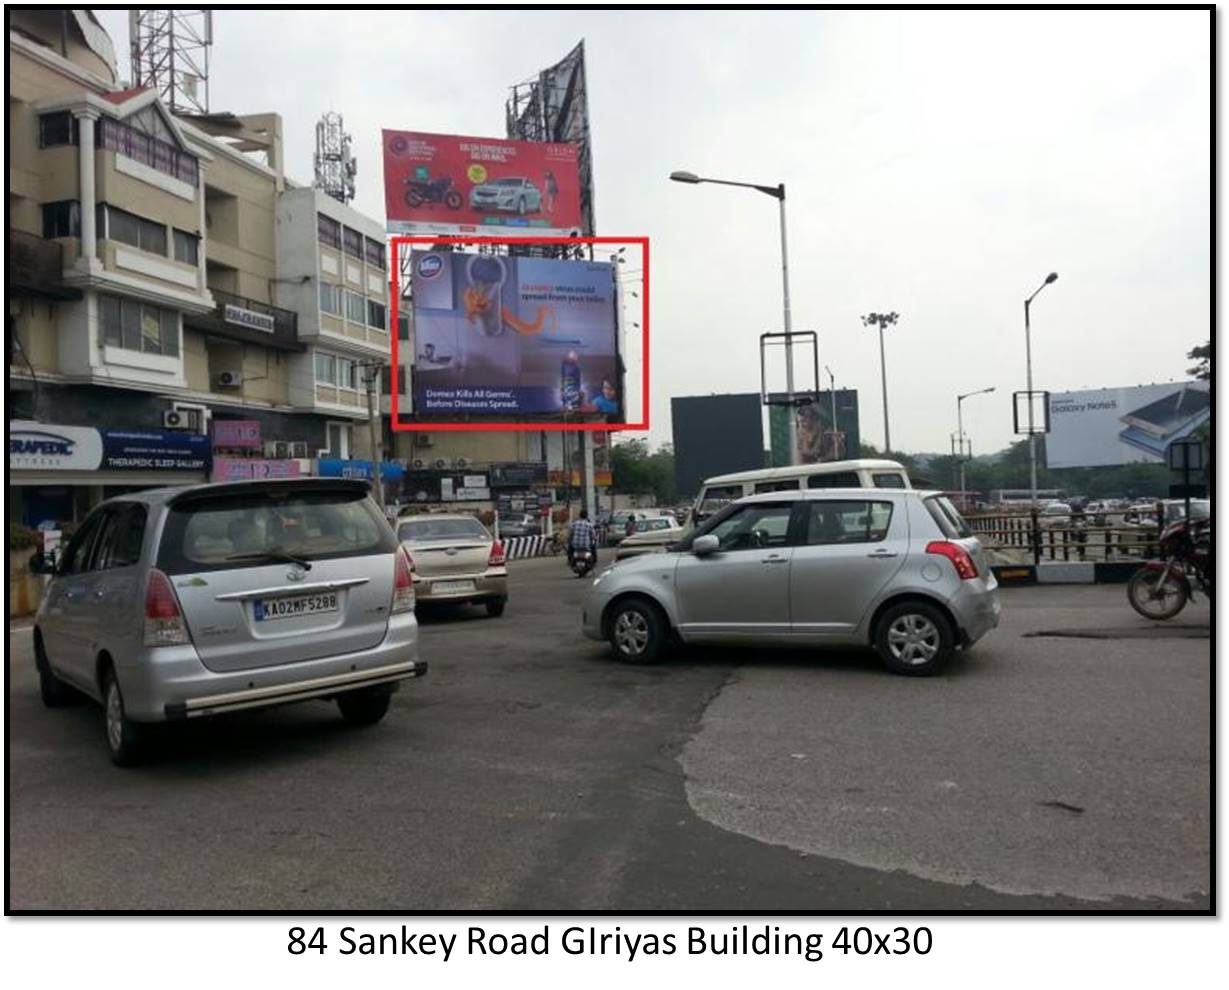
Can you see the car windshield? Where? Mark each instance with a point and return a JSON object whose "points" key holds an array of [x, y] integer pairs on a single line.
{"points": [[252, 529], [1200, 509], [505, 182], [441, 529]]}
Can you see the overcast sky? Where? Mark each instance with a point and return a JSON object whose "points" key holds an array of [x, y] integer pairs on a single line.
{"points": [[937, 164]]}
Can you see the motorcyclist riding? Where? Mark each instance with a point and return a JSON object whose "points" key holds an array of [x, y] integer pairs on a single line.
{"points": [[582, 537]]}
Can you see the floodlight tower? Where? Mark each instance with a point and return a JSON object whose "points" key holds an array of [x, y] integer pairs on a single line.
{"points": [[336, 166], [170, 51]]}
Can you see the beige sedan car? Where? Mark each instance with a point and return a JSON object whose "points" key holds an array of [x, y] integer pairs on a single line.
{"points": [[454, 558], [655, 533]]}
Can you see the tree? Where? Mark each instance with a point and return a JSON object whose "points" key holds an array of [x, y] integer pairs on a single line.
{"points": [[637, 471], [1202, 355]]}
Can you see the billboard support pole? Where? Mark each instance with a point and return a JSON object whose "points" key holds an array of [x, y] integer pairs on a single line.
{"points": [[589, 488]]}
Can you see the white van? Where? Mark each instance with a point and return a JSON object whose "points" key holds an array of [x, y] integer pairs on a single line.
{"points": [[726, 488]]}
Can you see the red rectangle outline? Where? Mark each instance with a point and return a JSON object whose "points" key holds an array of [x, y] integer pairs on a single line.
{"points": [[447, 427]]}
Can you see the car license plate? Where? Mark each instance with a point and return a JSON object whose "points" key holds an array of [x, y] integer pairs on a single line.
{"points": [[294, 605], [451, 587]]}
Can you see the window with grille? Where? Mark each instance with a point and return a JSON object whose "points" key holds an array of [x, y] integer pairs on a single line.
{"points": [[128, 228], [328, 231], [138, 326]]}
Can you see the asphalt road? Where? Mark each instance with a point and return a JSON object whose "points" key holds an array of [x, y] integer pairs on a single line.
{"points": [[530, 771]]}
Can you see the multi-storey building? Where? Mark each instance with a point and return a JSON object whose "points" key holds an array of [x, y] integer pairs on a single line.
{"points": [[164, 277]]}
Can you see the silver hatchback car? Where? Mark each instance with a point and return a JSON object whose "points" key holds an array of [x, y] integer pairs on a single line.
{"points": [[894, 569], [182, 602]]}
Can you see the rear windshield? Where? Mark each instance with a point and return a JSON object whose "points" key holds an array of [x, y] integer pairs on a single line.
{"points": [[251, 529], [442, 529], [948, 518]]}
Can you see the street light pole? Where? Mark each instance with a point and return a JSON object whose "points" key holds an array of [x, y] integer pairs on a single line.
{"points": [[882, 320], [832, 394], [960, 435], [1028, 358], [777, 192]]}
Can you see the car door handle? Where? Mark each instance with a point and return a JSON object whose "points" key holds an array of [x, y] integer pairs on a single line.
{"points": [[882, 554], [774, 559]]}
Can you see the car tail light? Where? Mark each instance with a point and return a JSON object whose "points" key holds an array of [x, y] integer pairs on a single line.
{"points": [[403, 582], [497, 557], [957, 554], [164, 621]]}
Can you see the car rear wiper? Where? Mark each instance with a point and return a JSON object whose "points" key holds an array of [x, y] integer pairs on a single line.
{"points": [[273, 553]]}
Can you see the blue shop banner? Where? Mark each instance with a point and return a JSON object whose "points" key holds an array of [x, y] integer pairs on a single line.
{"points": [[389, 470], [154, 450]]}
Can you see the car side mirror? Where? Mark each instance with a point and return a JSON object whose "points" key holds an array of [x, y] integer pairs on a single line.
{"points": [[702, 546]]}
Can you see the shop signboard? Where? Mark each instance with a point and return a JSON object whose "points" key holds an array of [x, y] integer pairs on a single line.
{"points": [[243, 468], [328, 468], [236, 433], [518, 475], [154, 450], [50, 447]]}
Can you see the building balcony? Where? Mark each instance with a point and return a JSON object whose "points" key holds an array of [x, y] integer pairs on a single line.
{"points": [[249, 322], [36, 267]]}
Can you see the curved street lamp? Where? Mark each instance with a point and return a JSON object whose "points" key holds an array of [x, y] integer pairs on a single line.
{"points": [[777, 192]]}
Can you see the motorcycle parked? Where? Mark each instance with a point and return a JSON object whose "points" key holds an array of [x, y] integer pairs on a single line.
{"points": [[583, 561], [1161, 588], [434, 191]]}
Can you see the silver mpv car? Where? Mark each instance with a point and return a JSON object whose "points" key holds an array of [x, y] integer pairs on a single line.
{"points": [[894, 569], [181, 602]]}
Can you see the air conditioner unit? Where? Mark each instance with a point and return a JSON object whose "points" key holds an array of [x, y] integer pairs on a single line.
{"points": [[461, 462], [230, 379], [440, 464], [423, 440], [420, 464], [298, 448], [279, 450], [181, 419]]}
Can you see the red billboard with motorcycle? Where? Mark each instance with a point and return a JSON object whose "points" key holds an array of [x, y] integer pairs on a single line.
{"points": [[449, 184]]}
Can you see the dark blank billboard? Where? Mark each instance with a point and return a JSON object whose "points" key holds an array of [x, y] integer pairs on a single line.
{"points": [[715, 434]]}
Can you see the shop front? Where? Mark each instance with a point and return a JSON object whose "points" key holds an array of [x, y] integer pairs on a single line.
{"points": [[58, 473]]}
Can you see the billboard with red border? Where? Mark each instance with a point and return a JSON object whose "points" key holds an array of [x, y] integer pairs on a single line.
{"points": [[402, 248], [450, 184]]}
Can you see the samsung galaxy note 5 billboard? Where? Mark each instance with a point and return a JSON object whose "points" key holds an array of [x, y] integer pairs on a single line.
{"points": [[503, 335], [446, 184], [1108, 426]]}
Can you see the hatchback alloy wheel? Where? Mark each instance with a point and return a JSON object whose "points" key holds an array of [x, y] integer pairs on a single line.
{"points": [[637, 631], [913, 639], [631, 633]]}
